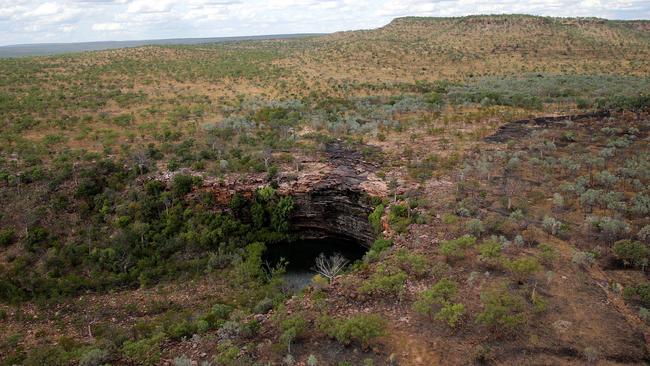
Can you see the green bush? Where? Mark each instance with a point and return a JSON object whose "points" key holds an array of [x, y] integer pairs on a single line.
{"points": [[632, 253], [608, 228], [227, 353], [449, 219], [489, 249], [548, 253], [292, 327], [644, 234], [451, 314], [377, 247], [381, 244], [182, 185], [218, 315], [360, 328], [375, 218], [280, 214], [475, 227], [399, 218], [502, 311], [455, 249], [414, 264], [384, 282], [145, 351], [37, 237], [522, 268], [443, 291], [451, 250], [46, 355], [7, 237], [437, 302], [640, 293], [183, 329], [94, 357]]}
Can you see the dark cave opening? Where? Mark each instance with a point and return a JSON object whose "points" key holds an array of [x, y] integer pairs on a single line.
{"points": [[300, 256]]}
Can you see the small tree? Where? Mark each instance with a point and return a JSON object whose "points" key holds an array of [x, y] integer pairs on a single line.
{"points": [[551, 225], [475, 227], [644, 234], [558, 201]]}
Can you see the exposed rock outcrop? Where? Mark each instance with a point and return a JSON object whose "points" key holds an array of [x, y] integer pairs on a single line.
{"points": [[517, 129]]}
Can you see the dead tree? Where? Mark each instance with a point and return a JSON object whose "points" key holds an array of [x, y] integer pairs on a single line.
{"points": [[330, 266]]}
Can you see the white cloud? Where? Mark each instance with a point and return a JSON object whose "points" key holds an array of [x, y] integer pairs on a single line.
{"points": [[149, 6], [107, 27], [25, 21], [45, 9]]}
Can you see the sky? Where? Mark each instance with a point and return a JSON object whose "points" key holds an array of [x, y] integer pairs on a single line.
{"points": [[29, 21]]}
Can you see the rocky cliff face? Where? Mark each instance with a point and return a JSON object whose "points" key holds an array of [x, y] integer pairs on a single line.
{"points": [[331, 212], [330, 190], [331, 197]]}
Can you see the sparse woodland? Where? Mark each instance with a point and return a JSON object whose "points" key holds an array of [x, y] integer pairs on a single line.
{"points": [[531, 249]]}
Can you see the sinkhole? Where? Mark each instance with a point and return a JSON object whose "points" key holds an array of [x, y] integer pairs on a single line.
{"points": [[300, 256]]}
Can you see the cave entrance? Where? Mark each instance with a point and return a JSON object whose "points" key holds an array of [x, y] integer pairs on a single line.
{"points": [[301, 255]]}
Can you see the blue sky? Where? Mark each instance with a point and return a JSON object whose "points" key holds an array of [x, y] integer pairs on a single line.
{"points": [[28, 21]]}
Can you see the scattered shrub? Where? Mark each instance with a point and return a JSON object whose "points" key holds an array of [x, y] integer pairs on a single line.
{"points": [[292, 327], [489, 249], [455, 249], [263, 306], [94, 357], [145, 351], [547, 254], [182, 361], [449, 219], [632, 253], [502, 311], [384, 281], [375, 218], [377, 247], [644, 314], [7, 237], [360, 328], [46, 355], [182, 185], [522, 268], [583, 259], [411, 263], [437, 302], [640, 293], [608, 228], [475, 227], [591, 354], [399, 218], [644, 234], [227, 353], [451, 314], [640, 204], [312, 360], [551, 225], [558, 201]]}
